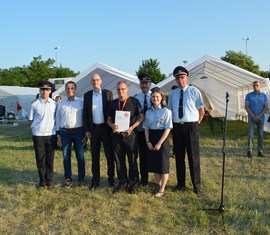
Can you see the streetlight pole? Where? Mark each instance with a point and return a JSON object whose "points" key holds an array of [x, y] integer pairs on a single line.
{"points": [[56, 48], [246, 39], [185, 62]]}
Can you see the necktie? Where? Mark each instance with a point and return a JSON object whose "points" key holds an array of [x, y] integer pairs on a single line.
{"points": [[145, 105], [180, 110]]}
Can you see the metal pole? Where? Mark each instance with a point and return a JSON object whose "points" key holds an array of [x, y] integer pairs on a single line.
{"points": [[56, 48], [246, 39]]}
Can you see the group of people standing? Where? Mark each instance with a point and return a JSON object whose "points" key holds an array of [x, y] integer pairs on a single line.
{"points": [[95, 117]]}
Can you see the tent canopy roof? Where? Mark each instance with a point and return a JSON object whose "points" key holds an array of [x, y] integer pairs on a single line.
{"points": [[17, 90], [222, 71], [109, 75], [214, 78]]}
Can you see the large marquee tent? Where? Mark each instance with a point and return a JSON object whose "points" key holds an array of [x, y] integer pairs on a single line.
{"points": [[17, 99], [109, 75], [214, 77]]}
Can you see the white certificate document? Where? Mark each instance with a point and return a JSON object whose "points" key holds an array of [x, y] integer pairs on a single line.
{"points": [[122, 119]]}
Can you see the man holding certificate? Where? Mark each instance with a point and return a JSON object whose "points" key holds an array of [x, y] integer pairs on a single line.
{"points": [[125, 114]]}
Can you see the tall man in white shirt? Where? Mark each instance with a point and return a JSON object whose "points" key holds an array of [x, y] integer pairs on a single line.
{"points": [[144, 99], [42, 117], [69, 126], [96, 104]]}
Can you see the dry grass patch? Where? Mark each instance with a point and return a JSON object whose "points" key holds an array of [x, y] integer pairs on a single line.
{"points": [[25, 209]]}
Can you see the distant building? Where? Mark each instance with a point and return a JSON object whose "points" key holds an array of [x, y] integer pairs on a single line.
{"points": [[59, 82]]}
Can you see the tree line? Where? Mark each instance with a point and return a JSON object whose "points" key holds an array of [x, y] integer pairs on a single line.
{"points": [[30, 75], [39, 69]]}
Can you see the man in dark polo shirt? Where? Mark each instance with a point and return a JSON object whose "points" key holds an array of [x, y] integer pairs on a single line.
{"points": [[124, 142]]}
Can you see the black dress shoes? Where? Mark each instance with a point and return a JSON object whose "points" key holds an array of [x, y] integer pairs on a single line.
{"points": [[179, 188], [120, 188], [94, 185], [111, 182], [260, 154]]}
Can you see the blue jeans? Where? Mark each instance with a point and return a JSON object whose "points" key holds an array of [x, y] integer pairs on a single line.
{"points": [[67, 138], [251, 128]]}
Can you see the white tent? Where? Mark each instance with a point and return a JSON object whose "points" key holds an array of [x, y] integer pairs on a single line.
{"points": [[17, 99], [110, 76], [214, 77]]}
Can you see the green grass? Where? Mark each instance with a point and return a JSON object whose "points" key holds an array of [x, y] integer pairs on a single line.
{"points": [[25, 209]]}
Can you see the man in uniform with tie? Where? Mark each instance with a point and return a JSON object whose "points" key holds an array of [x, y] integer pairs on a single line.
{"points": [[144, 99], [187, 109]]}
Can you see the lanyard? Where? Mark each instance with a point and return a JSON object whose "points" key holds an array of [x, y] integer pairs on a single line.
{"points": [[123, 104]]}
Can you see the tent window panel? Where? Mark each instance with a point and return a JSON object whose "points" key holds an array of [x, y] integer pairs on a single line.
{"points": [[2, 110], [59, 82]]}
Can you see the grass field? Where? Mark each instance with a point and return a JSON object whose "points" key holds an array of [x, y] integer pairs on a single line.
{"points": [[25, 209]]}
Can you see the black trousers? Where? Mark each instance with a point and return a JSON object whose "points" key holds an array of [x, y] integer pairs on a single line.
{"points": [[186, 139], [102, 134], [126, 146], [44, 150], [142, 156]]}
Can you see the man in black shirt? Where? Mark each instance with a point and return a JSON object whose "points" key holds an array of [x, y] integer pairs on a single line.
{"points": [[124, 141]]}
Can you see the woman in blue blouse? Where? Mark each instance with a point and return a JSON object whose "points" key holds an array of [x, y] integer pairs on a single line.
{"points": [[157, 125]]}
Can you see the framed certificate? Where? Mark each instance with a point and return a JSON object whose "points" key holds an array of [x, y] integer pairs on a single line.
{"points": [[122, 119]]}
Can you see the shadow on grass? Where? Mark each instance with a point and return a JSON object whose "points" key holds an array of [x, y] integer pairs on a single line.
{"points": [[10, 176], [210, 152], [8, 147]]}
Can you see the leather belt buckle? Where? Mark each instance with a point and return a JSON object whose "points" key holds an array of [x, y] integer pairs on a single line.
{"points": [[181, 123]]}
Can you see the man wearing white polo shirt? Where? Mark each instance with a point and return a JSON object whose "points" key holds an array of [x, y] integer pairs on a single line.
{"points": [[69, 127]]}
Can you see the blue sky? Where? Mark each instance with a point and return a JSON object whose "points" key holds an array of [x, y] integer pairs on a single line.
{"points": [[122, 33]]}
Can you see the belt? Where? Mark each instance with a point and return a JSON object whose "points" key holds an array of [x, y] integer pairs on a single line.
{"points": [[71, 129], [183, 123], [98, 125]]}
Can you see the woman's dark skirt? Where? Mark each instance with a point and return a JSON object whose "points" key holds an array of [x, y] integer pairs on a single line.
{"points": [[158, 161]]}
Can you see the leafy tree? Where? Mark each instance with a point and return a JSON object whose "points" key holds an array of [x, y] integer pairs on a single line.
{"points": [[265, 74], [13, 77], [39, 70], [241, 60], [151, 67], [64, 72], [30, 75]]}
